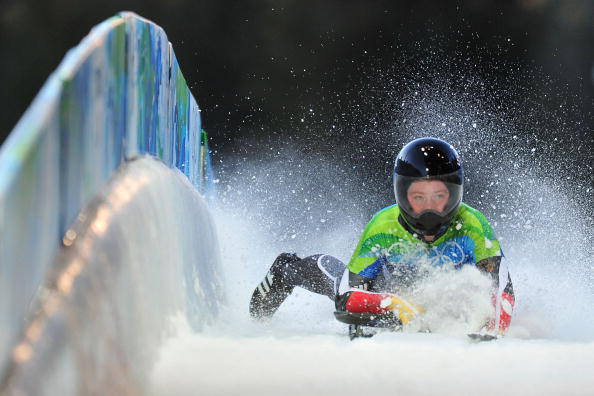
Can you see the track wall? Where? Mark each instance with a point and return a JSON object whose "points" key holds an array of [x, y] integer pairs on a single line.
{"points": [[119, 94]]}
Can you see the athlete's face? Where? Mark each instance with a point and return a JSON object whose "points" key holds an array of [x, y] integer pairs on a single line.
{"points": [[428, 195]]}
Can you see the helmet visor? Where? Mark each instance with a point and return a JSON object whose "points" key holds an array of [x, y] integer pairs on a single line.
{"points": [[428, 202]]}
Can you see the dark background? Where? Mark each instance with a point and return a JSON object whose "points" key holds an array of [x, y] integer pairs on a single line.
{"points": [[351, 81], [287, 55]]}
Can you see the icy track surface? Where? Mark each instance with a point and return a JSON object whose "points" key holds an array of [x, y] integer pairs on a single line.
{"points": [[304, 351], [404, 364]]}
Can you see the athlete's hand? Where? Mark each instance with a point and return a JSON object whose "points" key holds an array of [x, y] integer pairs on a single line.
{"points": [[404, 309]]}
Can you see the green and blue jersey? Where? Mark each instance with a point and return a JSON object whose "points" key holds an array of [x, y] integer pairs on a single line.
{"points": [[387, 246]]}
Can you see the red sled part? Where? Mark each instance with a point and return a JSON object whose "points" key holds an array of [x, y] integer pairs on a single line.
{"points": [[360, 301]]}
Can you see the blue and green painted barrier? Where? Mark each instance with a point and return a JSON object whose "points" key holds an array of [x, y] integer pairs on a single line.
{"points": [[117, 95]]}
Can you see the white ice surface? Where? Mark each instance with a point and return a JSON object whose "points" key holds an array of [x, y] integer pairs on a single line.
{"points": [[404, 364]]}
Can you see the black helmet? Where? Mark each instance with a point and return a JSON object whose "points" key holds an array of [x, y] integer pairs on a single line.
{"points": [[428, 159]]}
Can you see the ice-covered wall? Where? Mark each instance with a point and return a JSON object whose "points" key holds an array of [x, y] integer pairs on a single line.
{"points": [[118, 94], [113, 289]]}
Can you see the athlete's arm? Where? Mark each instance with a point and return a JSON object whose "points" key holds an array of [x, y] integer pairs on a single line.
{"points": [[503, 293]]}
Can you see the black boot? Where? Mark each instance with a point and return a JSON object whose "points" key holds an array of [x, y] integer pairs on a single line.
{"points": [[273, 290]]}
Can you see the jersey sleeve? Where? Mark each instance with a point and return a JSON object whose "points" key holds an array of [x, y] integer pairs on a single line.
{"points": [[485, 241], [369, 252]]}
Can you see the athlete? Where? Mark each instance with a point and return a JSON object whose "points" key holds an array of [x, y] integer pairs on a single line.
{"points": [[429, 226]]}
